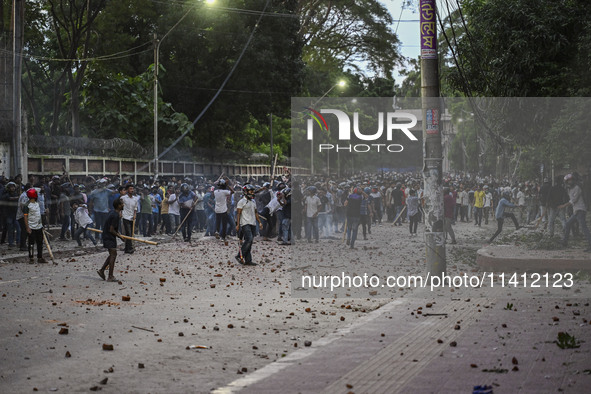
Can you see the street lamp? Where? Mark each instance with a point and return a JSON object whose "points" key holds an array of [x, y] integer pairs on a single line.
{"points": [[156, 66], [342, 83]]}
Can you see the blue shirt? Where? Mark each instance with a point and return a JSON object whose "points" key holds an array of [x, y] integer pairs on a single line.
{"points": [[504, 203], [100, 200], [156, 198], [184, 198]]}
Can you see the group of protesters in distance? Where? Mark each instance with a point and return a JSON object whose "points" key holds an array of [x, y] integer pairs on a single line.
{"points": [[307, 209]]}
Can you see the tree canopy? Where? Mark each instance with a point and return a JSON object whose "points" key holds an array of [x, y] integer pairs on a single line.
{"points": [[88, 68]]}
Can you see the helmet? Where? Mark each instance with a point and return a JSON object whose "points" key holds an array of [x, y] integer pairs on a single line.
{"points": [[184, 187], [507, 195], [567, 177], [249, 191], [281, 186], [267, 185], [32, 193], [286, 192], [222, 184], [367, 190], [312, 189]]}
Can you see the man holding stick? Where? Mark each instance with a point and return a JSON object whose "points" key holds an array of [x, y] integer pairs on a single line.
{"points": [[33, 225], [129, 210], [110, 231], [246, 220], [187, 200]]}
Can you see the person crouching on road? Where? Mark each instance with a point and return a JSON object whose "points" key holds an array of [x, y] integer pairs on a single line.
{"points": [[84, 221], [34, 225], [110, 231], [246, 219]]}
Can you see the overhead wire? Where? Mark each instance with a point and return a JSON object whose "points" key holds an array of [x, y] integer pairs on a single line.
{"points": [[221, 88]]}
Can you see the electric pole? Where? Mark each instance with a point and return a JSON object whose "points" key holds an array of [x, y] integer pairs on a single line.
{"points": [[432, 150], [19, 157], [156, 55]]}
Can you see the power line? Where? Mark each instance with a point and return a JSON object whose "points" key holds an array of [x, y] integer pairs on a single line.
{"points": [[221, 88], [112, 56]]}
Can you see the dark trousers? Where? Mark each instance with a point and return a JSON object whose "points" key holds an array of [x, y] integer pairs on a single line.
{"points": [[352, 228], [296, 225], [186, 227], [23, 240], [579, 217], [127, 229], [221, 219], [201, 219], [414, 222], [87, 234], [36, 237], [65, 225], [312, 228], [365, 224], [268, 223], [500, 224], [99, 219], [248, 231], [478, 216]]}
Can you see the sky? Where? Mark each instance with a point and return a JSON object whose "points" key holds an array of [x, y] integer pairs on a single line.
{"points": [[408, 32], [408, 28]]}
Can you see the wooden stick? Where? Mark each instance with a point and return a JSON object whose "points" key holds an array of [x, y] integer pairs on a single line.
{"points": [[344, 230], [139, 240], [133, 225], [48, 247], [186, 216], [403, 209], [126, 237]]}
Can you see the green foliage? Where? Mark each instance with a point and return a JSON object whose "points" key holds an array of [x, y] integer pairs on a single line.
{"points": [[567, 341], [119, 106], [343, 34], [299, 48]]}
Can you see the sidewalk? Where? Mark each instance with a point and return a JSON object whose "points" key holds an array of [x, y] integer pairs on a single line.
{"points": [[475, 341], [450, 340], [511, 257]]}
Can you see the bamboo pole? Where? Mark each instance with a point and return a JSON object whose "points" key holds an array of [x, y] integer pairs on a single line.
{"points": [[186, 216], [48, 247], [401, 212]]}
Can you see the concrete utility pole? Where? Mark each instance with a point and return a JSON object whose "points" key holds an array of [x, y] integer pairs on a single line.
{"points": [[432, 150], [156, 54], [19, 157]]}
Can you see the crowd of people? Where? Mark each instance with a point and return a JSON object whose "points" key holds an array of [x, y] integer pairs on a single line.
{"points": [[305, 209]]}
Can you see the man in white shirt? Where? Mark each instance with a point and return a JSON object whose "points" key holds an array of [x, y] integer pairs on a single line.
{"points": [[174, 209], [221, 194], [246, 220], [312, 204], [130, 205]]}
